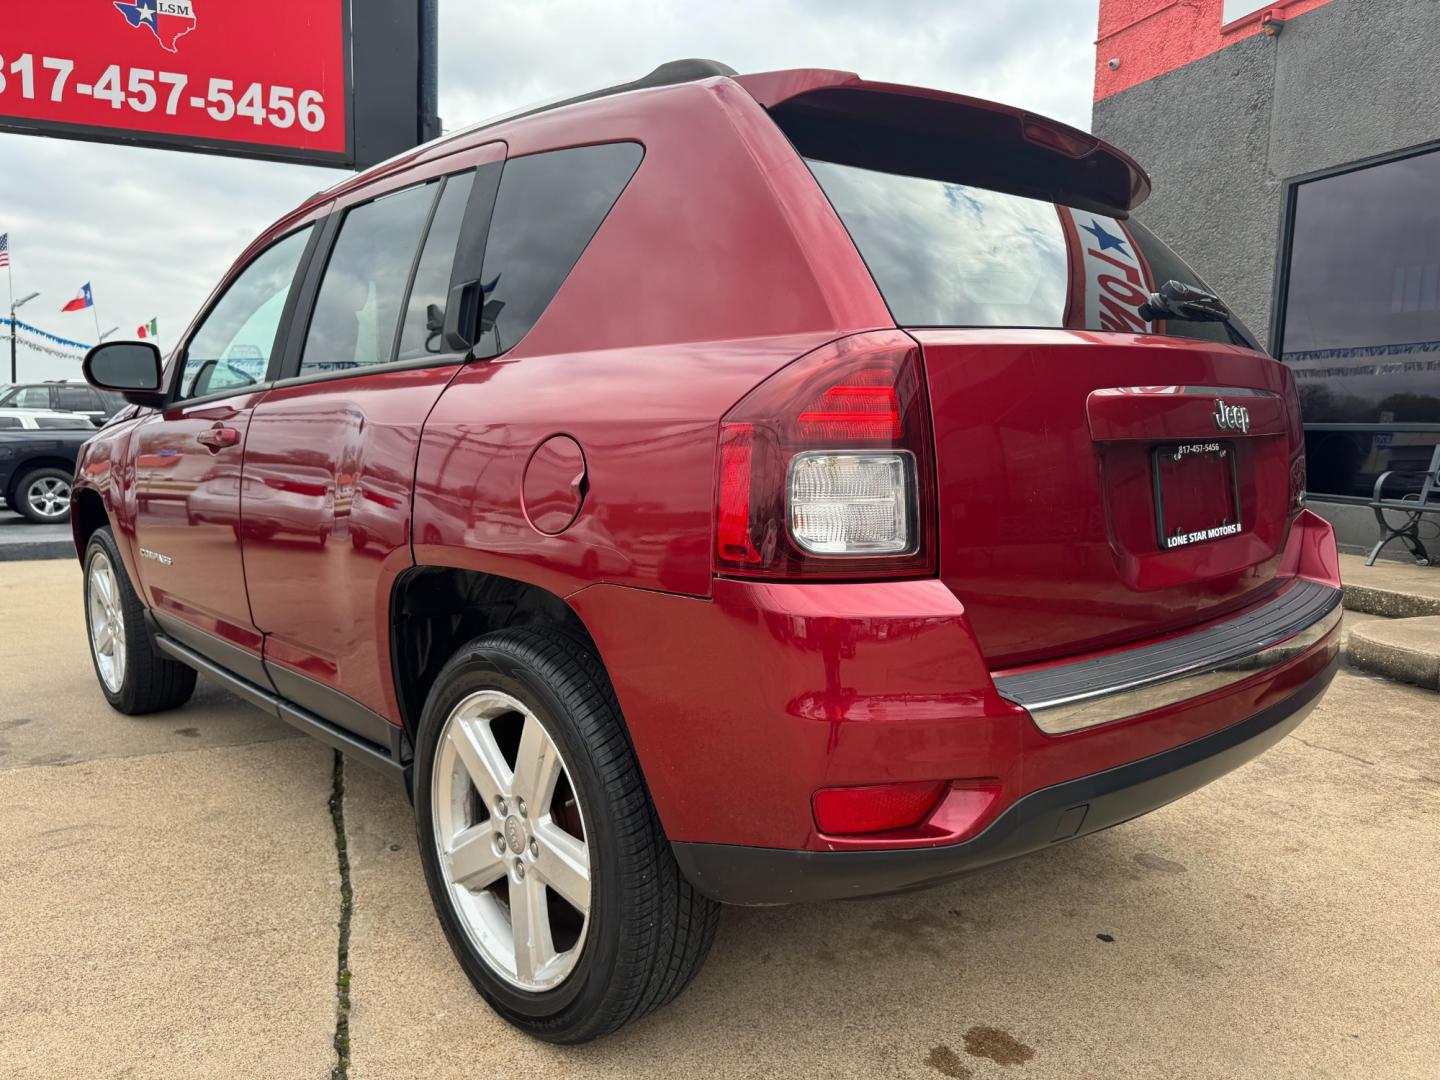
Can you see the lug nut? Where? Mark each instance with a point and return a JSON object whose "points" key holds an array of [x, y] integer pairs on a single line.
{"points": [[520, 807], [500, 808], [500, 843], [534, 849], [519, 870]]}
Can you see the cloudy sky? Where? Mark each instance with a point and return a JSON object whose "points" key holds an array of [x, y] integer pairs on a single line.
{"points": [[153, 230]]}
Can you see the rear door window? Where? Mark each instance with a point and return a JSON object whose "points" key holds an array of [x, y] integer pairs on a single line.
{"points": [[548, 208], [357, 312], [950, 254]]}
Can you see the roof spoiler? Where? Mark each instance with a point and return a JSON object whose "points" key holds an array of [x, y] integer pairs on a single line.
{"points": [[838, 116]]}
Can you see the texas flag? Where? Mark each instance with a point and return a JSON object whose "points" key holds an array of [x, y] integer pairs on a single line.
{"points": [[81, 302]]}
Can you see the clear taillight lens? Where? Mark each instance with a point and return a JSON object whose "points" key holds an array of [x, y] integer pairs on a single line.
{"points": [[825, 469], [857, 503]]}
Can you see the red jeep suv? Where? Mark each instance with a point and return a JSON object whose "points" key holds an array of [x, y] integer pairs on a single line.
{"points": [[744, 489]]}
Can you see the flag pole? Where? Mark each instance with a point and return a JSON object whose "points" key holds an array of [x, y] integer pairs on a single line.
{"points": [[14, 330], [95, 310]]}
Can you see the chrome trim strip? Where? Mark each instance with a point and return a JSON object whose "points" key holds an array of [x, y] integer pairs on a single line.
{"points": [[1086, 693]]}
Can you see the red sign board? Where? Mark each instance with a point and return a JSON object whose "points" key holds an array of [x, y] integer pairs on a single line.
{"points": [[258, 79]]}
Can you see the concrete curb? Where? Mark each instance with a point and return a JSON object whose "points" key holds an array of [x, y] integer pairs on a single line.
{"points": [[1389, 602], [1407, 650], [37, 549]]}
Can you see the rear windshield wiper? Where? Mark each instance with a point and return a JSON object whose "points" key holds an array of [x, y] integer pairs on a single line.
{"points": [[1190, 303]]}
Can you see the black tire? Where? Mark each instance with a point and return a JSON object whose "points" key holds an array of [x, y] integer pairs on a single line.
{"points": [[20, 503], [649, 931], [151, 681]]}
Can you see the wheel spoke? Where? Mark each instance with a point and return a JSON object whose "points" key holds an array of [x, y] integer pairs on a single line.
{"points": [[564, 864], [472, 860], [530, 921], [480, 753], [102, 586], [537, 766]]}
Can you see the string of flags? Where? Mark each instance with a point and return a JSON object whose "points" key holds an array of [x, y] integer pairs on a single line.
{"points": [[19, 325], [37, 347]]}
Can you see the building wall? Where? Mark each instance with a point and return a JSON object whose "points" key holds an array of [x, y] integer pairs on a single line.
{"points": [[1344, 80], [1146, 38]]}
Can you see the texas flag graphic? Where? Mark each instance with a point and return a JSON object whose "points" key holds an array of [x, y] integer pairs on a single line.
{"points": [[168, 20], [81, 302]]}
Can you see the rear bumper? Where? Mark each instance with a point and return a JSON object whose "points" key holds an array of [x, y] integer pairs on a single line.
{"points": [[1086, 804]]}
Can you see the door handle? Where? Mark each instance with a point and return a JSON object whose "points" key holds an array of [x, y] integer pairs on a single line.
{"points": [[218, 438]]}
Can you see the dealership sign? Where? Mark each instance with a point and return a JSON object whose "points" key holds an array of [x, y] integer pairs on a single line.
{"points": [[270, 80]]}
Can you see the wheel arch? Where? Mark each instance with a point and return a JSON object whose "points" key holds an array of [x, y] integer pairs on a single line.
{"points": [[87, 516], [435, 610]]}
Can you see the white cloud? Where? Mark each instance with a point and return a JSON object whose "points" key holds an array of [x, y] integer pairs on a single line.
{"points": [[152, 231]]}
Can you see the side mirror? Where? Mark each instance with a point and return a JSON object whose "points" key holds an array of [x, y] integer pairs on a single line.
{"points": [[132, 369]]}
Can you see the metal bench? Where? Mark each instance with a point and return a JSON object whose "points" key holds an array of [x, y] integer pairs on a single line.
{"points": [[1413, 507]]}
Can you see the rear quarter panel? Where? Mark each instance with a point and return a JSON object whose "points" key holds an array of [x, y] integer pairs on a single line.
{"points": [[720, 263]]}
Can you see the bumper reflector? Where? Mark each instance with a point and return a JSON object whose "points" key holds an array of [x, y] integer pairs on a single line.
{"points": [[847, 811]]}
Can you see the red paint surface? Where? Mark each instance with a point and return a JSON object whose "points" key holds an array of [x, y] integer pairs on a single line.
{"points": [[721, 264], [1151, 37], [299, 46]]}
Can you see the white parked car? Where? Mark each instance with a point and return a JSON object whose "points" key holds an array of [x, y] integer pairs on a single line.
{"points": [[43, 420]]}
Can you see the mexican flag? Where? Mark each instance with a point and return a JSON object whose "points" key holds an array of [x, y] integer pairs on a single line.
{"points": [[149, 330]]}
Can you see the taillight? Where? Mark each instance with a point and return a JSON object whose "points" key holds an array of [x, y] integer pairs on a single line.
{"points": [[825, 468]]}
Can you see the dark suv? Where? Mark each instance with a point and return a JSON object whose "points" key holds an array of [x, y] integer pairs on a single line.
{"points": [[752, 489], [96, 405]]}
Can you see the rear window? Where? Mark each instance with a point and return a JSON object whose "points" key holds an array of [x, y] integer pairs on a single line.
{"points": [[548, 208], [950, 254]]}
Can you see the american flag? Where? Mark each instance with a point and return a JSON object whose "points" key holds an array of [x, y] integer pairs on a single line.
{"points": [[4, 250]]}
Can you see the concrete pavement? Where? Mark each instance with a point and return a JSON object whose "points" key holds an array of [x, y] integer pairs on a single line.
{"points": [[169, 897]]}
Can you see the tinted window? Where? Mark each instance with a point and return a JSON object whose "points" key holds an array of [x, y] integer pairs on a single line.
{"points": [[425, 313], [76, 398], [547, 209], [950, 254], [110, 401], [10, 423], [232, 347], [358, 310], [56, 423]]}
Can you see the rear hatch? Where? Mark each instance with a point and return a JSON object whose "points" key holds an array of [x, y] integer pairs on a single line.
{"points": [[1102, 478]]}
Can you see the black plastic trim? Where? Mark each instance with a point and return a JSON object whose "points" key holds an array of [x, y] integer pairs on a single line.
{"points": [[336, 707], [232, 658], [389, 757], [756, 876]]}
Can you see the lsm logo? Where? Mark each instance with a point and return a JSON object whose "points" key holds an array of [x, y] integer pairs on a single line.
{"points": [[1231, 417]]}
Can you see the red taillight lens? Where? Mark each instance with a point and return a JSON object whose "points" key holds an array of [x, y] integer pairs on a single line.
{"points": [[732, 518], [848, 811], [864, 407], [825, 468]]}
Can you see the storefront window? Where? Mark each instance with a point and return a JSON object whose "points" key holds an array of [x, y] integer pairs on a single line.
{"points": [[1361, 324]]}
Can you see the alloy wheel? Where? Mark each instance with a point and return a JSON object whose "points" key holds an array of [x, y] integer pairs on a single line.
{"points": [[510, 836], [107, 622], [49, 497]]}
